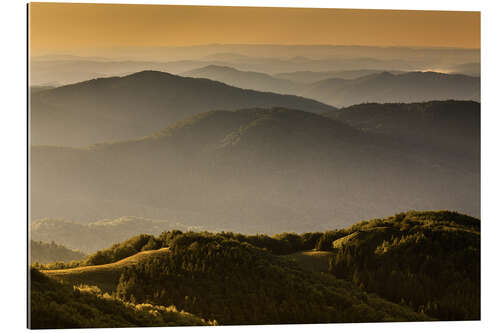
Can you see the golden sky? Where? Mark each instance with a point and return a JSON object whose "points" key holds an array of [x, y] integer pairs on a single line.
{"points": [[62, 26]]}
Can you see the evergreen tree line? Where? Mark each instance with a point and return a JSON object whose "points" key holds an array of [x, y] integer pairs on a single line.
{"points": [[430, 262], [220, 278], [280, 244]]}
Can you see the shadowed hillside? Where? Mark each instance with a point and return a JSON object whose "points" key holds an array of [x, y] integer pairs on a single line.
{"points": [[58, 305], [312, 260], [427, 260], [254, 170], [443, 126], [120, 108]]}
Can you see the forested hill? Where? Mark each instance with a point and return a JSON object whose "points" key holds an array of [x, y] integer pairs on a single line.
{"points": [[234, 282], [122, 108], [445, 126], [427, 260], [252, 170], [424, 261]]}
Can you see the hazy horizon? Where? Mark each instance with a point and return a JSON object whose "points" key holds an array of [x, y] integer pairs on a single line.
{"points": [[61, 27]]}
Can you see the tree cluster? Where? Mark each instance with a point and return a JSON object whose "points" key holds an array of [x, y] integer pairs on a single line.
{"points": [[57, 305], [219, 277], [429, 261]]}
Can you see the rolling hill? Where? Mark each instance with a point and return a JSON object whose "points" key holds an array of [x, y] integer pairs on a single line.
{"points": [[403, 88], [203, 273], [106, 276], [121, 108], [253, 170], [444, 126], [427, 261]]}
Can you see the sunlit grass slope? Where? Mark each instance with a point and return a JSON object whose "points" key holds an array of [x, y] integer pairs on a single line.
{"points": [[105, 276]]}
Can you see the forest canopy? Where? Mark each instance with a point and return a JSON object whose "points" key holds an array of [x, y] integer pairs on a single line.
{"points": [[410, 266]]}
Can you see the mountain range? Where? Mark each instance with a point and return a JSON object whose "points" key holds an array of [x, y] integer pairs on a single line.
{"points": [[352, 87], [271, 59], [121, 108]]}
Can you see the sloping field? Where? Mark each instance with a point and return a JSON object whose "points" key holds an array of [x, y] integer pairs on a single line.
{"points": [[315, 261], [105, 276]]}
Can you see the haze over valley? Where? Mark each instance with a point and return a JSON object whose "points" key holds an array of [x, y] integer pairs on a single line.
{"points": [[225, 149]]}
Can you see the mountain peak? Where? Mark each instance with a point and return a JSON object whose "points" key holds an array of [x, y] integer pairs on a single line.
{"points": [[150, 74]]}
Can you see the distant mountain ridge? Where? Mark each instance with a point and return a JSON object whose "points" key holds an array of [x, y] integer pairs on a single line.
{"points": [[121, 108], [389, 88], [344, 88], [270, 59], [248, 80], [309, 77], [94, 236]]}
